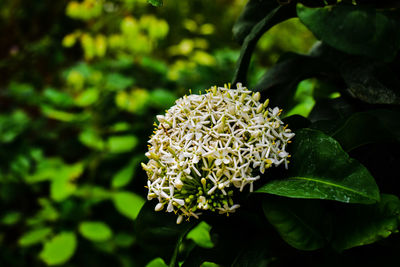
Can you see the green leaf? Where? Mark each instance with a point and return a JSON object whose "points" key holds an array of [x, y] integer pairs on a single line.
{"points": [[93, 193], [45, 170], [371, 81], [303, 99], [87, 97], [95, 231], [367, 79], [117, 82], [209, 264], [125, 175], [122, 144], [299, 222], [162, 98], [254, 254], [157, 262], [361, 225], [281, 80], [321, 169], [368, 127], [358, 30], [157, 3], [124, 239], [62, 185], [11, 217], [12, 125], [59, 114], [59, 249], [128, 204], [201, 235], [91, 139], [34, 237], [58, 98], [273, 17], [296, 122], [120, 127], [159, 230]]}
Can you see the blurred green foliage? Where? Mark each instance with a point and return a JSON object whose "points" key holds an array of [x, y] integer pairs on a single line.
{"points": [[81, 83]]}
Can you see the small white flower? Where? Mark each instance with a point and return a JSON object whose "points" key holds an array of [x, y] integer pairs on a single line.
{"points": [[159, 207], [226, 209]]}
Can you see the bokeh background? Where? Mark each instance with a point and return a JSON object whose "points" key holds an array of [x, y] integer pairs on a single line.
{"points": [[80, 85]]}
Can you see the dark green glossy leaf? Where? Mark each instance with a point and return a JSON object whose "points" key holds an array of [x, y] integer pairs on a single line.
{"points": [[233, 236], [364, 224], [159, 230], [321, 169], [254, 255], [358, 30], [371, 81], [273, 17], [328, 112], [368, 127], [280, 81], [296, 122], [367, 79], [299, 222]]}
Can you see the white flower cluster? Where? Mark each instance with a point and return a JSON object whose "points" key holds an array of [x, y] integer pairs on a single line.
{"points": [[207, 145]]}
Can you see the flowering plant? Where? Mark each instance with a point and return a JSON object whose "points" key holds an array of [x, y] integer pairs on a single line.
{"points": [[209, 147], [209, 144]]}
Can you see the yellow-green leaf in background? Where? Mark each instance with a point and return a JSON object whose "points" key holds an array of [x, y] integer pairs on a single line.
{"points": [[157, 262], [209, 264], [87, 97], [125, 175], [59, 249], [62, 185], [101, 45], [162, 98], [128, 204], [124, 239], [69, 40], [201, 235], [75, 79], [34, 236], [61, 188], [58, 114], [121, 126], [95, 231], [121, 144], [91, 139], [156, 3], [11, 217]]}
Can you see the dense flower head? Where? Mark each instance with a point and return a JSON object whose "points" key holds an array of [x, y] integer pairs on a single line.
{"points": [[209, 146]]}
